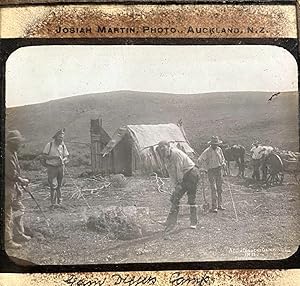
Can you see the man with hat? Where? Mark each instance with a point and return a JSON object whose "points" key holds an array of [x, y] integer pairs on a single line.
{"points": [[55, 156], [257, 155], [266, 151], [184, 177], [14, 209], [212, 160]]}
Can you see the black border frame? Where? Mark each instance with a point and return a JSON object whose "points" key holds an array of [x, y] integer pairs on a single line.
{"points": [[7, 46]]}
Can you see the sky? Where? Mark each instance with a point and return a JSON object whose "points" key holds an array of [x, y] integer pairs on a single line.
{"points": [[42, 73]]}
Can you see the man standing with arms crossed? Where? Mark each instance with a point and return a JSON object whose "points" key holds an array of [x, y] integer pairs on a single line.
{"points": [[212, 160], [184, 176]]}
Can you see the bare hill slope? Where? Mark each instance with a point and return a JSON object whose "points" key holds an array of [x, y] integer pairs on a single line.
{"points": [[238, 117]]}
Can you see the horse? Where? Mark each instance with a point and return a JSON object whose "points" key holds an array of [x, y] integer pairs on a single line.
{"points": [[234, 153]]}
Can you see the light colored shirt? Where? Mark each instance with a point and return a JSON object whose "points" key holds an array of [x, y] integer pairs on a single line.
{"points": [[257, 152], [178, 164], [210, 158], [60, 151], [267, 150]]}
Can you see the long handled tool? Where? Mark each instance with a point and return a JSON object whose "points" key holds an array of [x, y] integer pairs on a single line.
{"points": [[31, 195], [232, 200], [206, 203], [202, 186]]}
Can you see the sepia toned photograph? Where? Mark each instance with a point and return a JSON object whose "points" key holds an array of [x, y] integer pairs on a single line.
{"points": [[147, 154]]}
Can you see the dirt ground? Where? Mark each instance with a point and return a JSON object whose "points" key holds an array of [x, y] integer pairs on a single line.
{"points": [[258, 223]]}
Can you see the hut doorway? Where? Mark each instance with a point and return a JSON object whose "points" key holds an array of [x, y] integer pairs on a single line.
{"points": [[123, 157]]}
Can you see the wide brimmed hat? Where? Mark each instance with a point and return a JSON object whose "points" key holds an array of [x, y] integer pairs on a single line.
{"points": [[14, 136], [215, 140], [163, 143], [59, 132]]}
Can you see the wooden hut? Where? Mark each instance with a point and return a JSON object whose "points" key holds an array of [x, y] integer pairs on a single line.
{"points": [[99, 139]]}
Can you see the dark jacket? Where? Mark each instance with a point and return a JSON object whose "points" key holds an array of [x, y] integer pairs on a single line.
{"points": [[12, 168]]}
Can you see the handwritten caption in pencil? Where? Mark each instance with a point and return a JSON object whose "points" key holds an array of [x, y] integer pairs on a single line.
{"points": [[174, 279]]}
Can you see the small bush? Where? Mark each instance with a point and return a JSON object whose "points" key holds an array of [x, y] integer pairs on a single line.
{"points": [[118, 181]]}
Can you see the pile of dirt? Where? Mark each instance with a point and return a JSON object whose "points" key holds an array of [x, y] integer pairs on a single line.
{"points": [[120, 222]]}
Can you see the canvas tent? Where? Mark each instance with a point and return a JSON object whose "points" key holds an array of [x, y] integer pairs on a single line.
{"points": [[132, 147]]}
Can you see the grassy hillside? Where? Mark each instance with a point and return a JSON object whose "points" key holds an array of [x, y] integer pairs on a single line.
{"points": [[239, 117]]}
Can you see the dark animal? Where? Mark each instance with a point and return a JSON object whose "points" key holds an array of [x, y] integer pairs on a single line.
{"points": [[235, 153]]}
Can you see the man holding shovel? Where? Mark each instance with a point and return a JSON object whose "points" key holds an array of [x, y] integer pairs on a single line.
{"points": [[212, 160], [14, 209], [184, 176]]}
